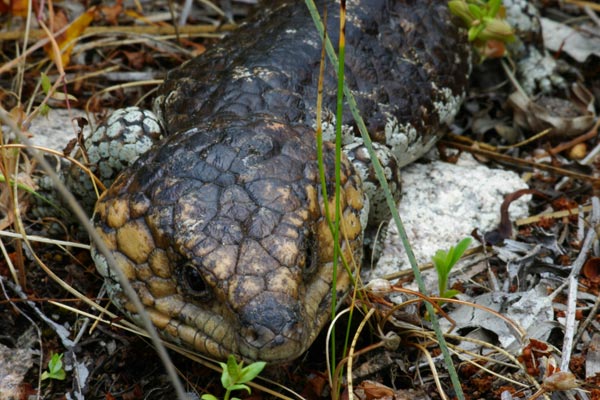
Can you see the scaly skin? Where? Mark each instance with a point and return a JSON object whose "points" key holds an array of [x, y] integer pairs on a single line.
{"points": [[220, 227]]}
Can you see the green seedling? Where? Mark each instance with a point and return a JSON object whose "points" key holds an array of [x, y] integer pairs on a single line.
{"points": [[444, 261], [484, 21], [46, 87], [234, 377], [55, 368]]}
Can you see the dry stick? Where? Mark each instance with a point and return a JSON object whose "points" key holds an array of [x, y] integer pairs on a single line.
{"points": [[188, 30], [161, 30], [553, 215], [351, 354], [330, 328], [37, 330], [591, 134], [26, 31], [10, 264], [42, 42], [432, 367], [582, 3], [61, 331], [513, 160], [61, 76], [584, 325], [103, 249], [590, 13], [42, 239], [572, 281]]}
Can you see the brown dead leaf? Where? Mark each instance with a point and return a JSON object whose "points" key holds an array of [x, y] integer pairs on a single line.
{"points": [[16, 8], [315, 387], [135, 59], [18, 115], [566, 117], [110, 14], [66, 40], [374, 390]]}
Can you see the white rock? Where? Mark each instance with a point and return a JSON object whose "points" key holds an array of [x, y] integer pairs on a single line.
{"points": [[442, 203], [56, 129]]}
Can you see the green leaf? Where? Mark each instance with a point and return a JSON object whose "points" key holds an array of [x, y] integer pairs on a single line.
{"points": [[251, 371], [238, 386], [461, 10], [440, 261], [497, 29], [493, 8], [44, 110], [475, 11], [46, 85], [208, 397], [443, 261], [450, 293], [55, 368], [474, 31], [460, 249], [233, 367], [55, 363], [226, 379]]}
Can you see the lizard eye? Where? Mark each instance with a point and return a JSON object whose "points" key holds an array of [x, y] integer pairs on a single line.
{"points": [[193, 283]]}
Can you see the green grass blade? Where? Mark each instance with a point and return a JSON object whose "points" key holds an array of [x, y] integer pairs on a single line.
{"points": [[391, 204], [31, 191]]}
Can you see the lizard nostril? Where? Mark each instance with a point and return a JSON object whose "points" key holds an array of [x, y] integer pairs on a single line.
{"points": [[270, 320]]}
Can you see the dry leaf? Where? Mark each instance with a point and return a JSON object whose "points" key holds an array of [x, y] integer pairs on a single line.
{"points": [[577, 43], [111, 13], [135, 59], [370, 390], [16, 8], [66, 40], [565, 117]]}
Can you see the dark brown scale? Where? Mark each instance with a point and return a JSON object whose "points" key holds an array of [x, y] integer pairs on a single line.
{"points": [[216, 226], [270, 67]]}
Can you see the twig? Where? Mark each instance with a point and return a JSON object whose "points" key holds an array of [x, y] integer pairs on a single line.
{"points": [[581, 3], [60, 330], [351, 354], [512, 160], [553, 215], [37, 329], [592, 15], [584, 325], [187, 30], [41, 239], [572, 280], [591, 134]]}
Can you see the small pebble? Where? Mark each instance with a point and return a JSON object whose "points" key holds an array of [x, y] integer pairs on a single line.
{"points": [[578, 152]]}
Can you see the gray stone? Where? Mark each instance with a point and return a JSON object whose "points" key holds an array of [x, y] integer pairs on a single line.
{"points": [[442, 203], [56, 129]]}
